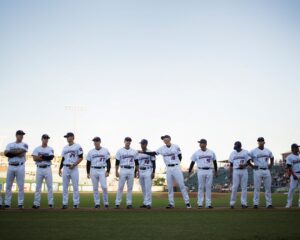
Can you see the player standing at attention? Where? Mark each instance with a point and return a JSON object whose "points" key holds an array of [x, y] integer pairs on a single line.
{"points": [[260, 156], [72, 155], [238, 168], [126, 160], [172, 157], [97, 160], [43, 156], [146, 174], [206, 161], [16, 153], [293, 166]]}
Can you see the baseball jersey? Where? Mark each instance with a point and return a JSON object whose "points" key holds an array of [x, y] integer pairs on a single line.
{"points": [[145, 160], [43, 151], [98, 157], [127, 156], [71, 153], [17, 146], [261, 157], [237, 158], [294, 161], [170, 154], [204, 159]]}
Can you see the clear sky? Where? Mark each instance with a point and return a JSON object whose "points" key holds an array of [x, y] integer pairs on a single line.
{"points": [[220, 70]]}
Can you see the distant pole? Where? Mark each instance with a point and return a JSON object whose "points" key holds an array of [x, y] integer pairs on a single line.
{"points": [[75, 109]]}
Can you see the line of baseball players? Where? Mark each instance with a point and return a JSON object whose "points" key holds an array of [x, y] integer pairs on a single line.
{"points": [[131, 163]]}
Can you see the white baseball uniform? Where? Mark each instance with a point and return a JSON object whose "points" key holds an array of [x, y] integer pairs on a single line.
{"points": [[260, 158], [98, 160], [294, 161], [240, 176], [170, 156], [145, 172], [127, 159], [71, 155], [43, 171], [16, 169], [204, 161]]}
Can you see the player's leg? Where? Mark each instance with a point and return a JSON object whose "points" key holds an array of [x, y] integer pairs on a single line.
{"points": [[257, 178], [208, 185], [49, 183], [244, 183], [103, 184], [95, 182], [20, 177], [170, 187], [298, 182], [10, 176], [200, 176], [130, 180], [267, 184], [178, 175], [148, 185], [293, 186], [142, 183], [38, 185], [121, 184], [75, 184], [235, 185], [66, 182]]}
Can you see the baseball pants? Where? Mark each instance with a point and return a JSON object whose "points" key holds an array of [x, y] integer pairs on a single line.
{"points": [[175, 173], [240, 178], [205, 179], [265, 176], [293, 185], [13, 172], [41, 174], [146, 184], [73, 175], [98, 176], [126, 175]]}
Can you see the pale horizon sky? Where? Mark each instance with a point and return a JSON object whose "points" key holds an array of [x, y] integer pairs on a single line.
{"points": [[220, 70]]}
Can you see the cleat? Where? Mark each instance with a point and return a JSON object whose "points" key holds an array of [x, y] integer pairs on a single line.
{"points": [[231, 207], [170, 206], [244, 206], [143, 206], [6, 206], [270, 206], [106, 206], [20, 206], [35, 207], [117, 207], [50, 206], [255, 206], [148, 207], [129, 207], [75, 206], [200, 207], [188, 205], [288, 206], [64, 207], [97, 206], [210, 207]]}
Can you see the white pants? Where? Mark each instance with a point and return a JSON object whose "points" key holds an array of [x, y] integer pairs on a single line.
{"points": [[41, 174], [98, 176], [146, 184], [175, 173], [293, 185], [265, 176], [240, 178], [73, 175], [13, 172], [205, 179], [126, 175]]}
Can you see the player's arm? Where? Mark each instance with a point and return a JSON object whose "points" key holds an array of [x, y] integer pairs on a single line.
{"points": [[117, 168], [108, 167], [14, 153], [249, 163], [37, 158], [61, 166], [80, 158], [291, 172], [191, 167], [153, 168], [230, 170], [88, 168], [179, 157], [136, 169], [47, 158], [9, 154], [215, 167], [271, 162], [149, 153]]}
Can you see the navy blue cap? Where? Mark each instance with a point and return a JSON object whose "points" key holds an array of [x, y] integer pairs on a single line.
{"points": [[96, 139], [260, 139], [20, 132], [294, 145], [144, 141], [165, 136], [202, 141], [45, 136], [69, 134], [128, 139]]}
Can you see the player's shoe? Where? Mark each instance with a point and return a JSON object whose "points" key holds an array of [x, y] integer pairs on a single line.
{"points": [[35, 207], [244, 206], [64, 207], [148, 207], [270, 206], [97, 206], [188, 205], [50, 206], [117, 207], [255, 206], [231, 207], [0, 206], [210, 207], [129, 207], [200, 206], [106, 206], [20, 206], [143, 206], [75, 206], [6, 206], [170, 206]]}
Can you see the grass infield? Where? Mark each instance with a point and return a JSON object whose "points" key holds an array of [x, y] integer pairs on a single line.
{"points": [[157, 223]]}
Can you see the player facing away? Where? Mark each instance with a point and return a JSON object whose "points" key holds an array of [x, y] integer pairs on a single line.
{"points": [[98, 167], [16, 153], [43, 155], [172, 157], [72, 155], [146, 174], [263, 160], [126, 160], [206, 161], [293, 166], [238, 172]]}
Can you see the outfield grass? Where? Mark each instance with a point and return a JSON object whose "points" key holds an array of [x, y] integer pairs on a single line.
{"points": [[158, 223]]}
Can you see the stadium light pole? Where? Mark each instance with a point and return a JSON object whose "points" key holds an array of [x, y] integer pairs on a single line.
{"points": [[75, 109]]}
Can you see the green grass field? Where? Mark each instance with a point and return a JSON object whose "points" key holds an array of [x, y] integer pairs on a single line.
{"points": [[158, 223]]}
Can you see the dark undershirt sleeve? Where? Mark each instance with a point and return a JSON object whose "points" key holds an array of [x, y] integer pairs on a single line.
{"points": [[289, 165], [81, 155], [61, 163], [180, 157], [10, 155], [108, 165], [231, 164], [191, 166], [150, 153], [153, 166], [117, 162], [88, 167], [215, 165]]}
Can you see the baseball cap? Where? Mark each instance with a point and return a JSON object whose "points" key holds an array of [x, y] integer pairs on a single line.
{"points": [[96, 139], [260, 139], [45, 136], [144, 141], [165, 136], [294, 145], [128, 139], [20, 132], [202, 141], [238, 144], [69, 134]]}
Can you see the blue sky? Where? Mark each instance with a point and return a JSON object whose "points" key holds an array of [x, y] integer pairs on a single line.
{"points": [[221, 70]]}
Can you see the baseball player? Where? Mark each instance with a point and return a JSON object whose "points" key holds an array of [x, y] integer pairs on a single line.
{"points": [[43, 156], [146, 173], [16, 153], [293, 166], [172, 157], [126, 160], [72, 155], [239, 173], [260, 156], [98, 167], [206, 161]]}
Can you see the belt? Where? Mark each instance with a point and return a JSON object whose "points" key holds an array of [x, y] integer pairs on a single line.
{"points": [[98, 167], [127, 167], [172, 165], [145, 168], [16, 164], [44, 166], [297, 172], [205, 168], [67, 165], [260, 168]]}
